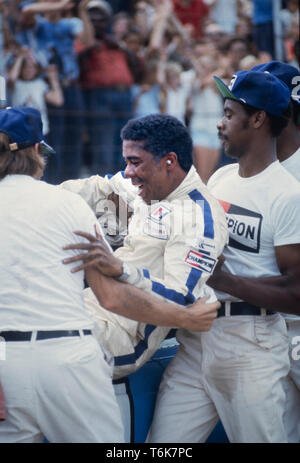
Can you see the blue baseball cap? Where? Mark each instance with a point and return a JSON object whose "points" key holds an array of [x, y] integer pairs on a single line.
{"points": [[24, 128], [290, 75], [259, 89]]}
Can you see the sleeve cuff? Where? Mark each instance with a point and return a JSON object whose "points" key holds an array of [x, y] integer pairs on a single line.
{"points": [[131, 274]]}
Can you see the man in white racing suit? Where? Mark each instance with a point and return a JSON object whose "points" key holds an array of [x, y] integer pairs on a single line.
{"points": [[175, 235]]}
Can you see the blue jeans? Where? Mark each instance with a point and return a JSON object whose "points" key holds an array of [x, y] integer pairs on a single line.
{"points": [[107, 111], [66, 128], [263, 37]]}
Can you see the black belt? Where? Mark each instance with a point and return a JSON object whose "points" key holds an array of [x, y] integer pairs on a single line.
{"points": [[242, 308], [26, 335]]}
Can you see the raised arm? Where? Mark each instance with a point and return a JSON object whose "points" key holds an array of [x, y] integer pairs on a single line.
{"points": [[87, 36], [46, 7], [54, 95]]}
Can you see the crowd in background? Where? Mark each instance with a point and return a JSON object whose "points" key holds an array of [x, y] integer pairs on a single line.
{"points": [[91, 65]]}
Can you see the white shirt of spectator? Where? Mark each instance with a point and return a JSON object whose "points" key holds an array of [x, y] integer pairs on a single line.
{"points": [[32, 93], [292, 164], [263, 211]]}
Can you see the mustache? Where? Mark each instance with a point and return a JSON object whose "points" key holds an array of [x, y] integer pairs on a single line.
{"points": [[137, 181], [221, 136]]}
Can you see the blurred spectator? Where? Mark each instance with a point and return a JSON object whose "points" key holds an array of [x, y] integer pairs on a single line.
{"points": [[57, 33], [192, 12], [224, 13], [236, 49], [153, 94], [290, 22], [107, 74], [120, 25], [215, 34], [133, 43], [29, 88], [29, 34], [243, 29], [262, 21], [143, 18], [247, 63], [204, 47], [288, 14], [133, 40], [207, 109], [147, 97], [120, 55], [176, 90]]}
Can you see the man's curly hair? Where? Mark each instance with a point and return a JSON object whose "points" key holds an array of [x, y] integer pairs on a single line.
{"points": [[161, 134]]}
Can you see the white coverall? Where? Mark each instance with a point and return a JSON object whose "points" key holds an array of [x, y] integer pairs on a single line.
{"points": [[171, 250]]}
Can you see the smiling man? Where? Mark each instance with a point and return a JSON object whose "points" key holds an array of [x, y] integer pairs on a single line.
{"points": [[175, 235]]}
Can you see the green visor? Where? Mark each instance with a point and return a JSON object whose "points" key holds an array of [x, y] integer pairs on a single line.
{"points": [[45, 149], [224, 90]]}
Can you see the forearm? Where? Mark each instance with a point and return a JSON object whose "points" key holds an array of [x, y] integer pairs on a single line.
{"points": [[279, 293], [133, 303], [87, 36], [55, 95], [44, 7], [14, 73], [179, 27]]}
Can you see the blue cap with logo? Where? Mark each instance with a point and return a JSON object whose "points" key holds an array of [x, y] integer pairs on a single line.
{"points": [[259, 89], [24, 128], [287, 73]]}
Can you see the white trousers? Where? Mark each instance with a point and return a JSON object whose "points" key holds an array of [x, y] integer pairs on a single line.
{"points": [[60, 389], [292, 385], [235, 372]]}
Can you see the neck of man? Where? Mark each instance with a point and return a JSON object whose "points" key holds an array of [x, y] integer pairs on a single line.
{"points": [[288, 141], [260, 153], [176, 179]]}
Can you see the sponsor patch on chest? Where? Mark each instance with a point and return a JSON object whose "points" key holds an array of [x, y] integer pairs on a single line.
{"points": [[244, 226], [160, 213], [201, 261], [155, 229]]}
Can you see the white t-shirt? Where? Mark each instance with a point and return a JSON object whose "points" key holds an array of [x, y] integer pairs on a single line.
{"points": [[292, 164], [32, 93], [263, 211], [37, 290]]}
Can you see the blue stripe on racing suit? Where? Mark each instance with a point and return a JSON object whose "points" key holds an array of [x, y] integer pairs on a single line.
{"points": [[196, 196], [138, 350], [169, 293]]}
